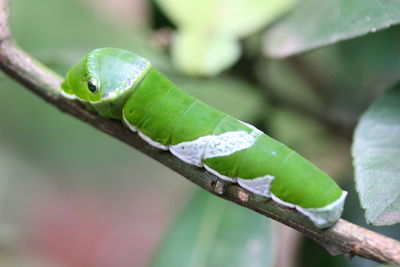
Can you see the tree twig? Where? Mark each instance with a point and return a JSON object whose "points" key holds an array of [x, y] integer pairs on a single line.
{"points": [[343, 237]]}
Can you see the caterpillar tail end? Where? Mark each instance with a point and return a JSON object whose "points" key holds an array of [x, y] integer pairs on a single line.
{"points": [[326, 216], [323, 217]]}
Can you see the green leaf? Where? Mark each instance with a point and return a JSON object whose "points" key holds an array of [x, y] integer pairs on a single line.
{"points": [[208, 31], [214, 232], [315, 23], [376, 152]]}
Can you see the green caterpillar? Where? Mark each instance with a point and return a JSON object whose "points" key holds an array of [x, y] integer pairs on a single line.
{"points": [[119, 84]]}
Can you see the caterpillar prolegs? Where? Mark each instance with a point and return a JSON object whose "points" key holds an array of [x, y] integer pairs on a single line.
{"points": [[119, 84]]}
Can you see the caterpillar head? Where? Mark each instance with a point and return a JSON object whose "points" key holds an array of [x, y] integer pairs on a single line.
{"points": [[104, 79]]}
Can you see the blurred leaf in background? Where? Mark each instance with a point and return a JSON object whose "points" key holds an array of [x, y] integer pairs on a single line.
{"points": [[329, 22], [66, 186], [211, 232], [47, 157], [52, 157], [207, 38], [376, 152]]}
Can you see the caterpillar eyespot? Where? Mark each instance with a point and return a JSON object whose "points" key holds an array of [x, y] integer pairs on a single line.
{"points": [[138, 94], [92, 85]]}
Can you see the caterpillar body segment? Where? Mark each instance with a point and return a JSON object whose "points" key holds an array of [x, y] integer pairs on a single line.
{"points": [[122, 85]]}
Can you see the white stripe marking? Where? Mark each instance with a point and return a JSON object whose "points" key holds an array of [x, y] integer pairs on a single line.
{"points": [[210, 146], [282, 202], [325, 216], [229, 143], [192, 151], [64, 94], [223, 177], [152, 142], [127, 123], [321, 217], [259, 186], [142, 135]]}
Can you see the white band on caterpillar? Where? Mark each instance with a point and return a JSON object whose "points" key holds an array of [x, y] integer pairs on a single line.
{"points": [[211, 146]]}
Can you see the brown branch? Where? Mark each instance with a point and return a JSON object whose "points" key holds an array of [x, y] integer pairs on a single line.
{"points": [[343, 237]]}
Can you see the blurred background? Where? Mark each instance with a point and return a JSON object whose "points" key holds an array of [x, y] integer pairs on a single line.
{"points": [[72, 196]]}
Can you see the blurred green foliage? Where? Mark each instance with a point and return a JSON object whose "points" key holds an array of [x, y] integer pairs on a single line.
{"points": [[376, 153], [211, 232], [208, 32], [332, 21], [60, 176]]}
